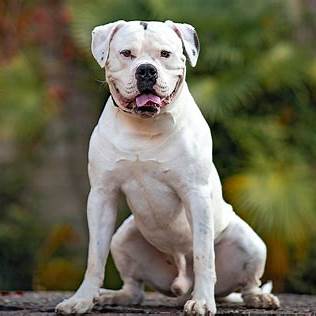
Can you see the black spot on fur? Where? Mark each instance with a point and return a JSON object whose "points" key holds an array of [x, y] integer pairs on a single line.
{"points": [[196, 41], [144, 25], [244, 266], [114, 102]]}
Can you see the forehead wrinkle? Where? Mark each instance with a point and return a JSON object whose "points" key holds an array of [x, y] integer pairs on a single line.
{"points": [[135, 37], [160, 28], [158, 39]]}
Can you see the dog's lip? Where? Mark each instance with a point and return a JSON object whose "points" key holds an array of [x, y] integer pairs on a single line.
{"points": [[129, 105], [148, 110]]}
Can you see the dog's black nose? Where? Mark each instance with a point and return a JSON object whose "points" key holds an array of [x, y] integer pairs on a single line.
{"points": [[146, 72], [146, 76]]}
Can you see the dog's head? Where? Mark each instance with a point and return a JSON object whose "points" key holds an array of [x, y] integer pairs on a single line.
{"points": [[144, 62]]}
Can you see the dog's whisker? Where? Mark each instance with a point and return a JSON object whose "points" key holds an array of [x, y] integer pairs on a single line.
{"points": [[101, 82]]}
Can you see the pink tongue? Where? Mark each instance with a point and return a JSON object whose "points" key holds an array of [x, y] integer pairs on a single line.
{"points": [[143, 99]]}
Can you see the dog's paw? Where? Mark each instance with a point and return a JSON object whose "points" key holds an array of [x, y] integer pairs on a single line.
{"points": [[262, 300], [74, 305], [199, 307]]}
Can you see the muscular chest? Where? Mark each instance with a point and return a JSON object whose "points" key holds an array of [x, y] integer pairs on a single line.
{"points": [[157, 209], [147, 189]]}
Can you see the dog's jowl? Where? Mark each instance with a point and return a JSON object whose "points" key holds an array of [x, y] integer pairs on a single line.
{"points": [[153, 144]]}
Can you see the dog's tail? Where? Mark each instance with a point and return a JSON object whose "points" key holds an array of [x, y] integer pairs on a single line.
{"points": [[237, 298]]}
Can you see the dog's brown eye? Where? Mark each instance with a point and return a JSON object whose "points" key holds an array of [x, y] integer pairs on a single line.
{"points": [[126, 53], [165, 54]]}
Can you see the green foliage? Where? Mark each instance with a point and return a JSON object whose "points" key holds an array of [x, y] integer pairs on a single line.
{"points": [[23, 102], [57, 268], [23, 117], [303, 280], [276, 196], [19, 238]]}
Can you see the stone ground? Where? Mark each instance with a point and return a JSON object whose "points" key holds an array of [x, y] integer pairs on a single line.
{"points": [[43, 303]]}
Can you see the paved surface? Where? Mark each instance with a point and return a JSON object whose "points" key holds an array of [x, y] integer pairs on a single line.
{"points": [[43, 303]]}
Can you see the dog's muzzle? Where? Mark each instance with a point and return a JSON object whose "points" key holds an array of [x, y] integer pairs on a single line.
{"points": [[147, 103], [146, 76]]}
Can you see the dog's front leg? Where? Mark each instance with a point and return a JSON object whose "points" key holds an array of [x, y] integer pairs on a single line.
{"points": [[101, 214], [199, 207]]}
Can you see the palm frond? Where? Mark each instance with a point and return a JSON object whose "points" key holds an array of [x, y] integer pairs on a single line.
{"points": [[278, 198], [219, 96]]}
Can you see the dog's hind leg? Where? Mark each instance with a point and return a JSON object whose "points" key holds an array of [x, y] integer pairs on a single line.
{"points": [[240, 260], [253, 295], [138, 262]]}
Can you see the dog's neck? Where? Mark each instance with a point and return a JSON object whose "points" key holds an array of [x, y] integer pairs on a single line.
{"points": [[129, 133]]}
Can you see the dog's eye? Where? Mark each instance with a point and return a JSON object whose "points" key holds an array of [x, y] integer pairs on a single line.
{"points": [[126, 53], [165, 54]]}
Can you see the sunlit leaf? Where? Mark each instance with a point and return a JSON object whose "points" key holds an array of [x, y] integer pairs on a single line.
{"points": [[277, 197]]}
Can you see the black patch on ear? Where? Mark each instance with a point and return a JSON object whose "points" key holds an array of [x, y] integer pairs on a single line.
{"points": [[193, 52], [144, 25], [196, 42]]}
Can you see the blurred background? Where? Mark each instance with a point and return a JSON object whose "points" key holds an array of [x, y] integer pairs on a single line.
{"points": [[255, 83]]}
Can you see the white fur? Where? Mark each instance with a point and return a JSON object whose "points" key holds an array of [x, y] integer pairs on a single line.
{"points": [[181, 227]]}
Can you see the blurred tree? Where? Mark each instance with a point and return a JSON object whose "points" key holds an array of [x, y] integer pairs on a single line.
{"points": [[22, 120], [31, 102]]}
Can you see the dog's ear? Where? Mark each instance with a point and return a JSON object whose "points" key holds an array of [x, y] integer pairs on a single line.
{"points": [[101, 37], [189, 39]]}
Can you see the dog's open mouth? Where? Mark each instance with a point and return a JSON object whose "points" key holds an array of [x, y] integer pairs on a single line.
{"points": [[148, 104]]}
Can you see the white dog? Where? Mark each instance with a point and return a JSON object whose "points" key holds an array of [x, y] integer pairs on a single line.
{"points": [[153, 144]]}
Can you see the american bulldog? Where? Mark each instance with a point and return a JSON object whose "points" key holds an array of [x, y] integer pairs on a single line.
{"points": [[152, 144]]}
